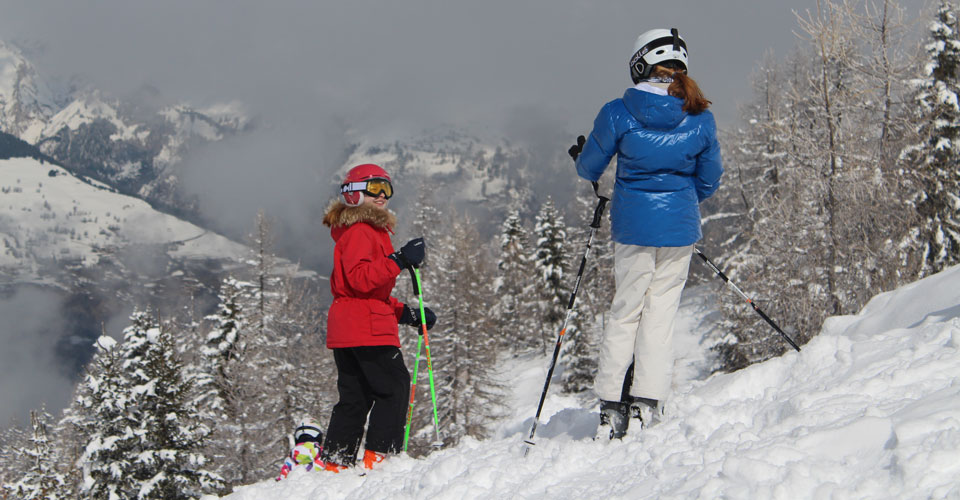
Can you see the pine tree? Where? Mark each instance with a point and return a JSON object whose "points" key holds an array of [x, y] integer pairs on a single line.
{"points": [[12, 439], [147, 440], [224, 348], [936, 161], [44, 480], [514, 284], [111, 446], [549, 260], [169, 463]]}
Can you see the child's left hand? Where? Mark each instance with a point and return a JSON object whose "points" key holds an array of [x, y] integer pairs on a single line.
{"points": [[411, 316]]}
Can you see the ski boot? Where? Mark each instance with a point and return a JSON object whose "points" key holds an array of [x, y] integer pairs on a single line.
{"points": [[371, 458], [646, 410], [613, 419]]}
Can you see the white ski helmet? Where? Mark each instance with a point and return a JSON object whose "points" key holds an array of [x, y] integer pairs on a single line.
{"points": [[657, 46], [308, 430]]}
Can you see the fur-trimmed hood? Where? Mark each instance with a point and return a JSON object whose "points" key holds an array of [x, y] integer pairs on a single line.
{"points": [[341, 215]]}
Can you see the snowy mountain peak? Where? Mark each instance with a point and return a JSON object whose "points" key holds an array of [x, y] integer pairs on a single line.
{"points": [[25, 99], [129, 144]]}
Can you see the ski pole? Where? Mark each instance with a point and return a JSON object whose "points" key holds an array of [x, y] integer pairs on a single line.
{"points": [[413, 391], [597, 217], [417, 290], [726, 280]]}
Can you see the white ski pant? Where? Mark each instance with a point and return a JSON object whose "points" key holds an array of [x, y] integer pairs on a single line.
{"points": [[640, 328]]}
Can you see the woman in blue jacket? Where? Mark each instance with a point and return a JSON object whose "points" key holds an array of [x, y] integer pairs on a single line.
{"points": [[668, 161]]}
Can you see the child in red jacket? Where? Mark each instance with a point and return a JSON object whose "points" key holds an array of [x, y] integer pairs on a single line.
{"points": [[362, 322]]}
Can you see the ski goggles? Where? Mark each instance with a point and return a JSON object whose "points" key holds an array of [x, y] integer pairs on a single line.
{"points": [[372, 187]]}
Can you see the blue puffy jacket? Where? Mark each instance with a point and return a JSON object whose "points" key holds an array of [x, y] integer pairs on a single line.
{"points": [[668, 161]]}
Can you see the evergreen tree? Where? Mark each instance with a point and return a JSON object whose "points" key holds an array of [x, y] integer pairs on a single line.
{"points": [[936, 161], [169, 463], [224, 348], [549, 260], [147, 440], [513, 286], [263, 365], [44, 480], [111, 447], [12, 439]]}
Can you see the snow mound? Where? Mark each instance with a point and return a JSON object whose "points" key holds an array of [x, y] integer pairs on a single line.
{"points": [[869, 409]]}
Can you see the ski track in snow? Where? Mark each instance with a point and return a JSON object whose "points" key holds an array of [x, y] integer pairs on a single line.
{"points": [[869, 409]]}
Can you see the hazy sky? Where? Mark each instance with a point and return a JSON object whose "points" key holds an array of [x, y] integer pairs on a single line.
{"points": [[318, 73], [404, 63]]}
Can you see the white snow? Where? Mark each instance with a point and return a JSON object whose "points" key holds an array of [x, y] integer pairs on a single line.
{"points": [[869, 409], [46, 219], [83, 111]]}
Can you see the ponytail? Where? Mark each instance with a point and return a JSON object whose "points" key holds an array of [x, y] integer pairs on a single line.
{"points": [[684, 88]]}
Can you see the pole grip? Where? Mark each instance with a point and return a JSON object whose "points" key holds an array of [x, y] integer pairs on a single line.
{"points": [[413, 280], [598, 212]]}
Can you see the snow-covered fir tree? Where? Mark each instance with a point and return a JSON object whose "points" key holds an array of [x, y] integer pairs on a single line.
{"points": [[147, 443], [224, 347], [170, 436], [45, 479], [514, 316], [220, 390], [12, 438], [111, 446], [935, 162], [549, 261]]}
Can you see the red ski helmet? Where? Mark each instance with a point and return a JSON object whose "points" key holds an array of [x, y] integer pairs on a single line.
{"points": [[357, 180]]}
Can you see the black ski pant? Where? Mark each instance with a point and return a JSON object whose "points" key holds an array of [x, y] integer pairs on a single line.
{"points": [[371, 380]]}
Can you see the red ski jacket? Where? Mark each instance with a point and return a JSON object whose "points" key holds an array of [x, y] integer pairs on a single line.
{"points": [[363, 312]]}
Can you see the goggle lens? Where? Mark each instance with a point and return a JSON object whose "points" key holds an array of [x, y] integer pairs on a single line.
{"points": [[377, 186]]}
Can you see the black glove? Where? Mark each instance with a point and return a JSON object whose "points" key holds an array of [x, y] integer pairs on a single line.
{"points": [[411, 254], [575, 150], [411, 316]]}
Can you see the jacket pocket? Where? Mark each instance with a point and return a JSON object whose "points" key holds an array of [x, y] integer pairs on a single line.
{"points": [[383, 321]]}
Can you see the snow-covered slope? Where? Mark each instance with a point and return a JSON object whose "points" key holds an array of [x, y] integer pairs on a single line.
{"points": [[50, 219], [869, 409]]}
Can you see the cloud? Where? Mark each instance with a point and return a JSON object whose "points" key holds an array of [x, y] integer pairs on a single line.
{"points": [[33, 375], [390, 64]]}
